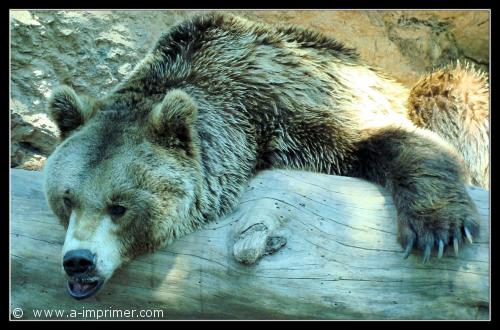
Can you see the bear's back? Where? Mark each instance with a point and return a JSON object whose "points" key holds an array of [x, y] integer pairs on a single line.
{"points": [[264, 70]]}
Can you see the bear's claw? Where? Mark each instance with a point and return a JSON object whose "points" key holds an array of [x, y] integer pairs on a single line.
{"points": [[427, 247], [467, 234], [409, 247], [455, 245], [441, 248], [427, 253]]}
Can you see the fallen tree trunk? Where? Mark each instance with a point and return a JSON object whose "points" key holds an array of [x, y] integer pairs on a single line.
{"points": [[340, 261]]}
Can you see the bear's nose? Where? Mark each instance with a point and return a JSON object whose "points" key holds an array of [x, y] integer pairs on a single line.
{"points": [[77, 262]]}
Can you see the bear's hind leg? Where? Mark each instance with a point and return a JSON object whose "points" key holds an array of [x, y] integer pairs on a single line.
{"points": [[427, 181]]}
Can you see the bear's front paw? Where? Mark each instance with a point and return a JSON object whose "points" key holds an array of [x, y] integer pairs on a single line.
{"points": [[437, 227]]}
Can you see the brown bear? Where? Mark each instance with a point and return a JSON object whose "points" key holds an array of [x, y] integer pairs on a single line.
{"points": [[218, 99]]}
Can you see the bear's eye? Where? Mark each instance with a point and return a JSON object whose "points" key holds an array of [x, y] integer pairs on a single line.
{"points": [[116, 210], [67, 202]]}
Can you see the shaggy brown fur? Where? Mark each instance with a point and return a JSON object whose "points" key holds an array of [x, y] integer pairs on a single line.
{"points": [[454, 102], [220, 98]]}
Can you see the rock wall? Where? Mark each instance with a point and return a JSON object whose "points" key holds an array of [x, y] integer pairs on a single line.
{"points": [[94, 50]]}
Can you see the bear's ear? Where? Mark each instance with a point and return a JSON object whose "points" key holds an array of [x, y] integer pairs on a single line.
{"points": [[172, 120], [68, 110]]}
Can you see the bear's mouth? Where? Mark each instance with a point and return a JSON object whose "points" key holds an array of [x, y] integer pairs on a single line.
{"points": [[81, 288]]}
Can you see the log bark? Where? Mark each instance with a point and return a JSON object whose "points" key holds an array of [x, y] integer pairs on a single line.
{"points": [[300, 246]]}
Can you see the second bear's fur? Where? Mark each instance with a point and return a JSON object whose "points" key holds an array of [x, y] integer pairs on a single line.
{"points": [[454, 102]]}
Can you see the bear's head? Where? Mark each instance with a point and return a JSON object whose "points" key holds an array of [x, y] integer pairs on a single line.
{"points": [[123, 181]]}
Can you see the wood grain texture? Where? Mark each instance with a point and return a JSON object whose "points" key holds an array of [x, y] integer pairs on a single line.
{"points": [[340, 261]]}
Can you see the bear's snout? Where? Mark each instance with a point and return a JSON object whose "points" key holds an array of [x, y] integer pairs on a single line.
{"points": [[78, 262]]}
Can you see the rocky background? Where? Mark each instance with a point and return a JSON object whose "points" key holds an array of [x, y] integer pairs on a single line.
{"points": [[94, 50]]}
